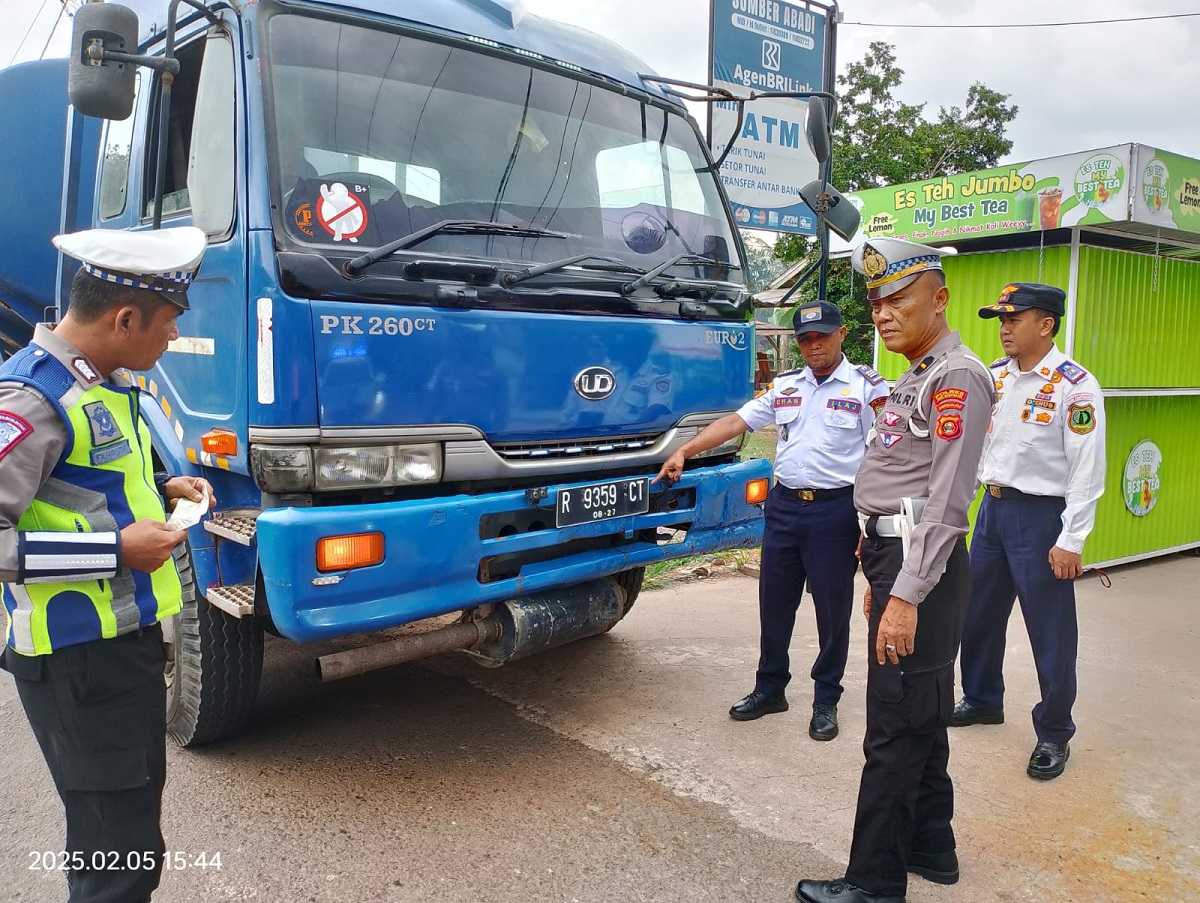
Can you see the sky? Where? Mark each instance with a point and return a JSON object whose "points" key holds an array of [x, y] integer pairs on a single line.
{"points": [[1076, 88]]}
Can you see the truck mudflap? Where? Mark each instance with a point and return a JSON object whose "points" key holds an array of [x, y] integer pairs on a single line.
{"points": [[447, 554]]}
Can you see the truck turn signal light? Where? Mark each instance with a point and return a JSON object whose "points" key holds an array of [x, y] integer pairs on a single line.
{"points": [[353, 550], [756, 491], [219, 442]]}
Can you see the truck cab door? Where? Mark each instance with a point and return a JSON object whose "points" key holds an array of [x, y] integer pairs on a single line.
{"points": [[202, 377]]}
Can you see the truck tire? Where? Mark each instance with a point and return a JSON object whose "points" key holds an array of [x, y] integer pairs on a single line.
{"points": [[213, 681], [631, 582]]}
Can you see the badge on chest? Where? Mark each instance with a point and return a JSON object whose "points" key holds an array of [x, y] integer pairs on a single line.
{"points": [[108, 442]]}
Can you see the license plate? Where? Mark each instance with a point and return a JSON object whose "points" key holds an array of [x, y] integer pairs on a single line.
{"points": [[602, 501]]}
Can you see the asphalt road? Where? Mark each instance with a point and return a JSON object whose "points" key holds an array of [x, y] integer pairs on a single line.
{"points": [[608, 771]]}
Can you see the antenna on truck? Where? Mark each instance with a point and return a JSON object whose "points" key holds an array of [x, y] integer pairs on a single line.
{"points": [[100, 78]]}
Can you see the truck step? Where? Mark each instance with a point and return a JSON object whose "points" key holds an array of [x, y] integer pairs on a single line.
{"points": [[237, 524], [236, 600]]}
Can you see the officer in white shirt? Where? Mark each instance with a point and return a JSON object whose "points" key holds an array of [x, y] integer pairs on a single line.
{"points": [[1043, 472], [823, 414]]}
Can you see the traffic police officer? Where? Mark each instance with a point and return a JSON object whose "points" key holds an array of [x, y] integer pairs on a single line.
{"points": [[823, 413], [912, 493], [1043, 472], [85, 553]]}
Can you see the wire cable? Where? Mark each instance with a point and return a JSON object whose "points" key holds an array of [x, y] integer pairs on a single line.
{"points": [[53, 29], [1024, 24], [28, 30]]}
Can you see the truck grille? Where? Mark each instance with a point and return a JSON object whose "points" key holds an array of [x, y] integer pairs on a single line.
{"points": [[575, 448]]}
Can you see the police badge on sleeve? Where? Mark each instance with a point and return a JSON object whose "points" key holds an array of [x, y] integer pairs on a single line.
{"points": [[13, 429]]}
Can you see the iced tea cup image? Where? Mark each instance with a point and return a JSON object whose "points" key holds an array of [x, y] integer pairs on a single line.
{"points": [[1049, 201]]}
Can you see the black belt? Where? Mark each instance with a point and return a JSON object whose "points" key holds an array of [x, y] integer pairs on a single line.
{"points": [[1007, 492], [816, 495]]}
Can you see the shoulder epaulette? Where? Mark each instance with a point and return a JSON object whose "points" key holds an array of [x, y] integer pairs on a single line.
{"points": [[1071, 371], [999, 362], [869, 374], [789, 372]]}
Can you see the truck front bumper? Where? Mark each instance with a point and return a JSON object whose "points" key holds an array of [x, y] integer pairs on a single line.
{"points": [[437, 554]]}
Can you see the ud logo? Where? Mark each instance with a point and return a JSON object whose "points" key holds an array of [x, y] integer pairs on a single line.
{"points": [[595, 383]]}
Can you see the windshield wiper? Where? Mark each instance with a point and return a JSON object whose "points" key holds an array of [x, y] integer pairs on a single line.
{"points": [[445, 227], [646, 278], [511, 279]]}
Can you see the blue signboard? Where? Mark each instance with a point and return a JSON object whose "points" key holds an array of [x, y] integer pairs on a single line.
{"points": [[761, 46]]}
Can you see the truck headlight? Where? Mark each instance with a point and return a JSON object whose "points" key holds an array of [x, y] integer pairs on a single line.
{"points": [[367, 466], [282, 468], [299, 468]]}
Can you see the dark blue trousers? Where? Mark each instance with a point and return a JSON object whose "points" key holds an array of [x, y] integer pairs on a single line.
{"points": [[813, 541], [1009, 560]]}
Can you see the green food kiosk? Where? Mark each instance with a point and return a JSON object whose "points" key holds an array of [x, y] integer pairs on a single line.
{"points": [[1119, 229]]}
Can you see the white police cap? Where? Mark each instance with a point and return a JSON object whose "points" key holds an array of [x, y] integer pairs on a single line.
{"points": [[164, 260], [889, 264]]}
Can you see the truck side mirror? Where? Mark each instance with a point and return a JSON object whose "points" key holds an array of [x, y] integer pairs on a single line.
{"points": [[102, 88], [816, 130], [832, 208]]}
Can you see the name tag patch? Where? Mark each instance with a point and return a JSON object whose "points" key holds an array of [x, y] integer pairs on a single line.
{"points": [[109, 453], [844, 404], [789, 402]]}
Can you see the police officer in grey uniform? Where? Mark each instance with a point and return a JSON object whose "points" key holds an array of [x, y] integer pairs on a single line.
{"points": [[85, 553], [1043, 473], [823, 413], [912, 492]]}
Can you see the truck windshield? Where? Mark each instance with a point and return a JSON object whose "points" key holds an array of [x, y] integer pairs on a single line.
{"points": [[379, 134]]}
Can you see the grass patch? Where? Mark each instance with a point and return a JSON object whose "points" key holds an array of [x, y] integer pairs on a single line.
{"points": [[760, 444]]}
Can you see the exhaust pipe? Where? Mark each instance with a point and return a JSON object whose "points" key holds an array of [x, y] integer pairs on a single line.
{"points": [[518, 628], [543, 621], [338, 665]]}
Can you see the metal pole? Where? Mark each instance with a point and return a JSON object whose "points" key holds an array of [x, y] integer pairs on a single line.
{"points": [[831, 22]]}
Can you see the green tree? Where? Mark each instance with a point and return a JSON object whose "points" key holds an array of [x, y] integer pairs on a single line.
{"points": [[879, 141]]}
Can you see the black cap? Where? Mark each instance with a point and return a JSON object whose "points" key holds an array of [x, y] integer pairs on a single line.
{"points": [[817, 316], [1018, 296]]}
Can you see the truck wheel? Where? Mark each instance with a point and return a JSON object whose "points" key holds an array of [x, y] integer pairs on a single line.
{"points": [[212, 683], [631, 582]]}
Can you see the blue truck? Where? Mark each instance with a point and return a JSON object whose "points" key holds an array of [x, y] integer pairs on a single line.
{"points": [[471, 278]]}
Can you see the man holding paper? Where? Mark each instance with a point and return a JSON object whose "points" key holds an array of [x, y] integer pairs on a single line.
{"points": [[86, 553]]}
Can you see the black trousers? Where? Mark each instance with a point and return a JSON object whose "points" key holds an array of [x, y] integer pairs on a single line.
{"points": [[906, 797], [98, 711]]}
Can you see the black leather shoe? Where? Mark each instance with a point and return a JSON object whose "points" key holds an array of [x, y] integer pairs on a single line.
{"points": [[965, 713], [839, 892], [1048, 760], [756, 705], [940, 868], [824, 724]]}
